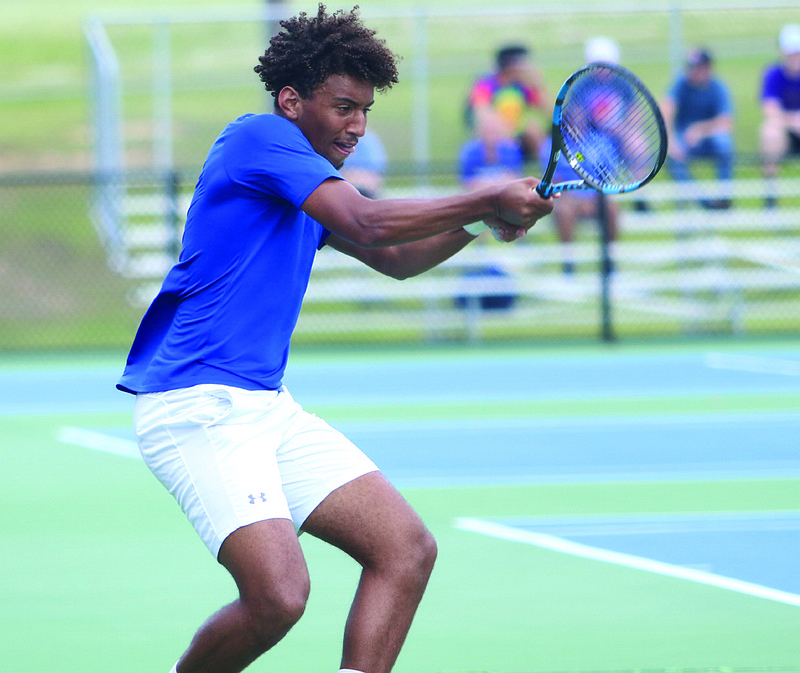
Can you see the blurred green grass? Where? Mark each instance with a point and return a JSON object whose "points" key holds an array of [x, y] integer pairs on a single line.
{"points": [[44, 107]]}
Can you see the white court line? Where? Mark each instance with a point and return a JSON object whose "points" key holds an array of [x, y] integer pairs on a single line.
{"points": [[753, 363], [98, 441], [628, 560]]}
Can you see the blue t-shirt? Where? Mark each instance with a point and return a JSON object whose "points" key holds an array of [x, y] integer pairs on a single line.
{"points": [[697, 104], [227, 309], [776, 84]]}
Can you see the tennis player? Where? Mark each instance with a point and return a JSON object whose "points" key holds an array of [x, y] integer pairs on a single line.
{"points": [[248, 466]]}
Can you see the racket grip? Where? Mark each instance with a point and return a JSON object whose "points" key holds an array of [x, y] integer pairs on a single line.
{"points": [[545, 191]]}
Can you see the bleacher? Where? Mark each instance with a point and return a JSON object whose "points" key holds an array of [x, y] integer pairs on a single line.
{"points": [[674, 258]]}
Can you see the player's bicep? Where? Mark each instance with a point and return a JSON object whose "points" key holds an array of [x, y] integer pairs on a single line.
{"points": [[339, 207]]}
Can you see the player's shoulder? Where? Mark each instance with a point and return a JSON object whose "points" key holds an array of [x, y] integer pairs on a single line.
{"points": [[253, 133], [266, 121]]}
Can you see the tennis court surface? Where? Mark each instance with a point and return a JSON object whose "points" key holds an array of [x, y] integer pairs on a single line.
{"points": [[621, 508]]}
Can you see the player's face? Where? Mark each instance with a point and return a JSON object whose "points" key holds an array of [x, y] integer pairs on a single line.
{"points": [[335, 116]]}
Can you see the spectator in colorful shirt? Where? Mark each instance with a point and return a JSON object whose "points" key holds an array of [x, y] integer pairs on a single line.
{"points": [[512, 91]]}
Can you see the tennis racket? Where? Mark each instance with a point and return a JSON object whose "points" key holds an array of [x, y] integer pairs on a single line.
{"points": [[610, 130]]}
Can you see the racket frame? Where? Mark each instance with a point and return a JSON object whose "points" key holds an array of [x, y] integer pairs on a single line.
{"points": [[545, 188]]}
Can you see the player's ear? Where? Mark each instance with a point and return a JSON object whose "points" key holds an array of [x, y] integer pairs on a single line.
{"points": [[290, 103]]}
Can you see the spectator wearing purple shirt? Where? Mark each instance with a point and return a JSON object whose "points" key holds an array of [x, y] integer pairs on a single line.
{"points": [[780, 106]]}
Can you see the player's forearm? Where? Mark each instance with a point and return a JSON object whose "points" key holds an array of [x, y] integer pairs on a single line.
{"points": [[388, 222], [400, 221], [513, 206], [409, 259]]}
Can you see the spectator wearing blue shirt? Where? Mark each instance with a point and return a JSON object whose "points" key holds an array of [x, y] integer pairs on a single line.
{"points": [[492, 156], [699, 118], [780, 107]]}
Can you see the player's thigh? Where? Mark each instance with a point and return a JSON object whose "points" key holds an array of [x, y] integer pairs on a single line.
{"points": [[371, 521], [315, 460], [266, 562]]}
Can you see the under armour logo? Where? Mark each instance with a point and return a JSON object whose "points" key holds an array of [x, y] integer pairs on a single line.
{"points": [[253, 498]]}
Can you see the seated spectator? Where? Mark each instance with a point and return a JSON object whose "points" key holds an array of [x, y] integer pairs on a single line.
{"points": [[493, 156], [575, 206], [365, 168], [699, 117], [513, 90], [780, 106]]}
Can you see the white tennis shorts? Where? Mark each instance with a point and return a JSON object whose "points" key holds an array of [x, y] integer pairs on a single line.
{"points": [[232, 457]]}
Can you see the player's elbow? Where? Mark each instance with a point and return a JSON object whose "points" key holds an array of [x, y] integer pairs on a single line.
{"points": [[392, 262], [400, 274], [393, 265], [369, 237]]}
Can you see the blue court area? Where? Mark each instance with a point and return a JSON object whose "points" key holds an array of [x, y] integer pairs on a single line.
{"points": [[704, 441], [761, 548], [464, 418], [469, 451]]}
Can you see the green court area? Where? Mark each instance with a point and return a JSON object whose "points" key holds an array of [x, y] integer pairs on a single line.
{"points": [[691, 451]]}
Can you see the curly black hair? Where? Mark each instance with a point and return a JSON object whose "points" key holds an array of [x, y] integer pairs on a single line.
{"points": [[308, 50]]}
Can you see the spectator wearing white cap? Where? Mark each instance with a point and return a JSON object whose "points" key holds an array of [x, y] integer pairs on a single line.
{"points": [[699, 116], [575, 206], [780, 106], [602, 50]]}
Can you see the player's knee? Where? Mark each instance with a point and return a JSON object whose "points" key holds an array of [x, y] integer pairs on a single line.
{"points": [[416, 562], [290, 605], [275, 614], [428, 553]]}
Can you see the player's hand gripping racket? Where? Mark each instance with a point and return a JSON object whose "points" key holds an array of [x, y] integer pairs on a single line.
{"points": [[610, 130]]}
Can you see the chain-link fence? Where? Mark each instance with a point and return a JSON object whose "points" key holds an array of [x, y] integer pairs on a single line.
{"points": [[84, 253], [677, 269]]}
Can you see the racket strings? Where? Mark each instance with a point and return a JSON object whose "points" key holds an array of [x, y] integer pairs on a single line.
{"points": [[610, 129]]}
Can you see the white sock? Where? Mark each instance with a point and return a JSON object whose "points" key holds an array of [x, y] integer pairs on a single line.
{"points": [[349, 670], [174, 669]]}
